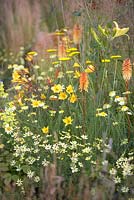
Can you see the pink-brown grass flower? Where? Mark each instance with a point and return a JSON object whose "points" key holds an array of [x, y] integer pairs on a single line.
{"points": [[83, 81], [127, 70]]}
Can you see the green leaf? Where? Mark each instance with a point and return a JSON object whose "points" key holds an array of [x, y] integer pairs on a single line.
{"points": [[102, 30], [7, 178], [96, 37], [15, 177], [25, 168], [3, 167]]}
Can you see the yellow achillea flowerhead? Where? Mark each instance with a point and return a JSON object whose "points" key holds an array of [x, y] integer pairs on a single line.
{"points": [[69, 89], [30, 55], [115, 56], [76, 65], [77, 34], [105, 60], [101, 114], [45, 129], [84, 83], [57, 88], [67, 120], [74, 53], [62, 95], [73, 98], [51, 50], [76, 74], [127, 70]]}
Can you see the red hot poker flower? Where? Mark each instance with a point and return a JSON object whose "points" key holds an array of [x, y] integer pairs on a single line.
{"points": [[84, 83], [127, 70]]}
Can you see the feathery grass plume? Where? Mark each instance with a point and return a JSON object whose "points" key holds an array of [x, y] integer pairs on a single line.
{"points": [[127, 70], [84, 83], [77, 34]]}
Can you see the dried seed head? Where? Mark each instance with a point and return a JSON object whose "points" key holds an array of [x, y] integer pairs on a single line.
{"points": [[127, 70]]}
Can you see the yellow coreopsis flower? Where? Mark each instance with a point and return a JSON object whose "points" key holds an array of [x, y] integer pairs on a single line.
{"points": [[69, 89], [45, 129], [57, 88], [73, 98], [42, 96], [62, 96], [67, 120], [16, 76], [36, 103]]}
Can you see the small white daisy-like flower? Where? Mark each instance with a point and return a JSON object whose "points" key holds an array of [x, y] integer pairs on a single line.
{"points": [[19, 182], [30, 174], [113, 171], [37, 179], [124, 189], [112, 93]]}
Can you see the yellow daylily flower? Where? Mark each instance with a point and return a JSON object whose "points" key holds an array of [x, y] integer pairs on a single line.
{"points": [[62, 95], [119, 31], [69, 89], [73, 98]]}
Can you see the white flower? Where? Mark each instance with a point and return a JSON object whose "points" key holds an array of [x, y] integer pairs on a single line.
{"points": [[8, 129], [74, 168], [87, 150], [112, 93], [113, 171], [13, 162], [19, 182], [117, 179], [30, 174], [36, 66], [124, 108], [120, 100], [84, 137], [106, 106], [37, 179], [45, 163], [124, 189]]}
